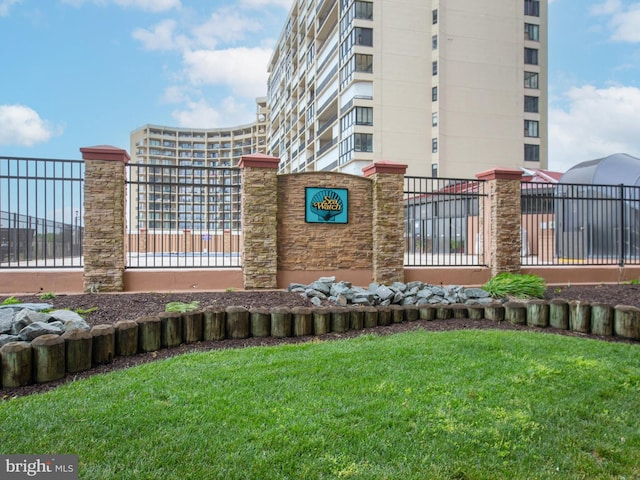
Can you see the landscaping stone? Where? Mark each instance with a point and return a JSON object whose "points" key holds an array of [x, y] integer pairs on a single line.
{"points": [[26, 322], [37, 329], [408, 294]]}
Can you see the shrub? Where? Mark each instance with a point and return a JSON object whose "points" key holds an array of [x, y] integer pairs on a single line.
{"points": [[517, 285], [181, 307]]}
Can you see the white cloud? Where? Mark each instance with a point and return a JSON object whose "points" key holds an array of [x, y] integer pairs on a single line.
{"points": [[286, 4], [147, 5], [244, 70], [594, 124], [5, 5], [200, 114], [624, 21], [236, 27], [161, 37], [22, 126]]}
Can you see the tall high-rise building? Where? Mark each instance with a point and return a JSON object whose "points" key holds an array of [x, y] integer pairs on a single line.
{"points": [[449, 87], [190, 196]]}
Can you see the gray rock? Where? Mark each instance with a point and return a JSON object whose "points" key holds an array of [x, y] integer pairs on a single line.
{"points": [[479, 301], [26, 317], [410, 300], [363, 298], [4, 339], [341, 288], [64, 315], [397, 298], [36, 329], [384, 293], [399, 286], [36, 307], [311, 293], [425, 293], [327, 280], [296, 286], [6, 319], [476, 293], [316, 301], [342, 300], [323, 287]]}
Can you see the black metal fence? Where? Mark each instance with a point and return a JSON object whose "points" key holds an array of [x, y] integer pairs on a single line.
{"points": [[579, 224], [442, 226], [41, 212], [183, 216]]}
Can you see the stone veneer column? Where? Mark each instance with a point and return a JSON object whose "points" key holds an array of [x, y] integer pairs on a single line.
{"points": [[503, 212], [104, 218], [388, 220], [259, 221]]}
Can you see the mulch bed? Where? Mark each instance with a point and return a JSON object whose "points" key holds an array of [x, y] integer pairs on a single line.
{"points": [[124, 306]]}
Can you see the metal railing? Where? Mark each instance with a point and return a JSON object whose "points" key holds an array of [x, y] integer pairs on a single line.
{"points": [[183, 217], [580, 224], [41, 213], [441, 224]]}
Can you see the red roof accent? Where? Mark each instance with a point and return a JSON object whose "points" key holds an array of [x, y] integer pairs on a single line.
{"points": [[105, 152]]}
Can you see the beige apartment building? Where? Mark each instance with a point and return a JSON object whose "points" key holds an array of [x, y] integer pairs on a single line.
{"points": [[191, 196], [449, 87]]}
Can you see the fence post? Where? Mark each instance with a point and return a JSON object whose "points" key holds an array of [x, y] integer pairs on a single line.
{"points": [[503, 211], [388, 220], [104, 218], [259, 223]]}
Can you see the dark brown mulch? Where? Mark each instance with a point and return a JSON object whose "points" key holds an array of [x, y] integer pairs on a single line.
{"points": [[110, 308]]}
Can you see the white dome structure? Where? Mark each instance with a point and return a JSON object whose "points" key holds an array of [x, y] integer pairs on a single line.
{"points": [[597, 210]]}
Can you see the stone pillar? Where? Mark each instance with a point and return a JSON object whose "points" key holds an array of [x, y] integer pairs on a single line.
{"points": [[502, 211], [104, 218], [388, 220], [259, 220]]}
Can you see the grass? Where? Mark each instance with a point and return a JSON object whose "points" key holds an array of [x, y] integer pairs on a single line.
{"points": [[452, 405]]}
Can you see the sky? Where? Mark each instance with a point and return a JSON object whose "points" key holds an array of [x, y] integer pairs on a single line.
{"points": [[79, 73]]}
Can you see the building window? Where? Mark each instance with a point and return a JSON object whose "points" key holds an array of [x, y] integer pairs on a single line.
{"points": [[434, 119], [434, 94], [532, 32], [434, 145], [434, 68], [363, 36], [434, 42], [364, 115], [364, 63], [530, 80], [364, 10], [434, 170], [531, 128], [531, 153], [531, 56], [531, 104], [363, 142], [532, 8], [434, 16]]}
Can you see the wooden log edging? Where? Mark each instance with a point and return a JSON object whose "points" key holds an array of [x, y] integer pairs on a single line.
{"points": [[48, 359]]}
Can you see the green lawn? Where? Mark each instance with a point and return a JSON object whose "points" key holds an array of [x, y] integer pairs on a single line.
{"points": [[420, 405]]}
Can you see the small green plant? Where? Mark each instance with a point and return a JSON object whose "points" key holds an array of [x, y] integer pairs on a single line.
{"points": [[230, 289], [47, 296], [635, 281], [85, 311], [10, 301], [516, 285], [181, 307]]}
